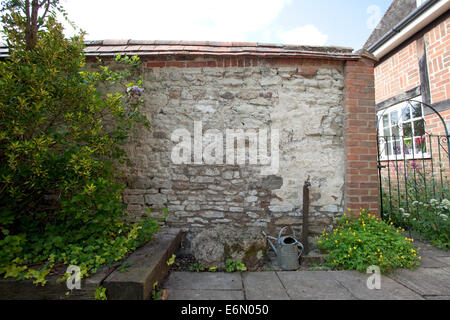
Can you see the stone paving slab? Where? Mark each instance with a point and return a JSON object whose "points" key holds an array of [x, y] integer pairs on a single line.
{"points": [[445, 260], [437, 297], [263, 286], [430, 250], [433, 262], [314, 285], [204, 281], [356, 283], [205, 295], [425, 281]]}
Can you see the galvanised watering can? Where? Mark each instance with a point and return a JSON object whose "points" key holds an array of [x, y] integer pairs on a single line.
{"points": [[288, 250]]}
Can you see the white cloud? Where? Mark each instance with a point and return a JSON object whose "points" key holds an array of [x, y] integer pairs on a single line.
{"points": [[306, 35], [227, 20]]}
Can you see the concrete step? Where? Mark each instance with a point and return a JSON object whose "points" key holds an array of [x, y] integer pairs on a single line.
{"points": [[148, 265]]}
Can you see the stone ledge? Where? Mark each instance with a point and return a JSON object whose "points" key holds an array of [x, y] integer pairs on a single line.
{"points": [[312, 259], [148, 265], [12, 289]]}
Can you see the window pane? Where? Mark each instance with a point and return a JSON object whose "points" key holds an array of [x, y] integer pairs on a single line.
{"points": [[395, 131], [419, 128], [407, 146], [407, 129], [396, 147], [406, 114], [388, 149], [387, 132], [394, 118], [417, 110], [421, 145], [385, 121]]}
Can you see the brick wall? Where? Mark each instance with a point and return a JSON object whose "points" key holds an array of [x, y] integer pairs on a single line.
{"points": [[397, 74], [438, 51], [361, 185]]}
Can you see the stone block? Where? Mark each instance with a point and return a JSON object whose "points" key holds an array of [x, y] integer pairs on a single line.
{"points": [[148, 265]]}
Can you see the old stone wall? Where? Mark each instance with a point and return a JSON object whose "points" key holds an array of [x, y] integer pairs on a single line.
{"points": [[302, 98]]}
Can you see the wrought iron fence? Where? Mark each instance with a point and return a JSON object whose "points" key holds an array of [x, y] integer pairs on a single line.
{"points": [[414, 170]]}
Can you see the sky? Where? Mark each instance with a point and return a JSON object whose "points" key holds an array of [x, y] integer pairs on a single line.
{"points": [[346, 23]]}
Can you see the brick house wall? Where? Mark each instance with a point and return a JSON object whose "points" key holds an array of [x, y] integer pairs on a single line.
{"points": [[438, 53], [399, 72], [419, 66]]}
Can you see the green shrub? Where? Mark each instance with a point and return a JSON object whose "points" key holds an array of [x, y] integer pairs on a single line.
{"points": [[420, 204], [430, 220], [366, 241], [61, 144]]}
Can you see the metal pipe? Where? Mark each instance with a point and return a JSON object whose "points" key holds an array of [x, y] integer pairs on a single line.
{"points": [[305, 229]]}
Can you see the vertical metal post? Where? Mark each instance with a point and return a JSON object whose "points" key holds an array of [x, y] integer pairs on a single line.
{"points": [[305, 231]]}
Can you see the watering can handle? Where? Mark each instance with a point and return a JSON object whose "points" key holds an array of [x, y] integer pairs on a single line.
{"points": [[301, 247]]}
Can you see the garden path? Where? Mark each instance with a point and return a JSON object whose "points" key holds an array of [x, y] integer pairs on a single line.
{"points": [[429, 281]]}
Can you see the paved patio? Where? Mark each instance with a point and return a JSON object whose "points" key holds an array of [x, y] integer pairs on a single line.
{"points": [[430, 281]]}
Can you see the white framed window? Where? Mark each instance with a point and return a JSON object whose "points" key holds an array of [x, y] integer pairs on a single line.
{"points": [[401, 131]]}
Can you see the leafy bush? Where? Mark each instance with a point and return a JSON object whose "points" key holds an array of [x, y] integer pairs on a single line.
{"points": [[420, 203], [430, 219], [365, 241], [61, 144]]}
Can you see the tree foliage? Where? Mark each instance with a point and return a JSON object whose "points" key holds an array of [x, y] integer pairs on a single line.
{"points": [[61, 140], [32, 15]]}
